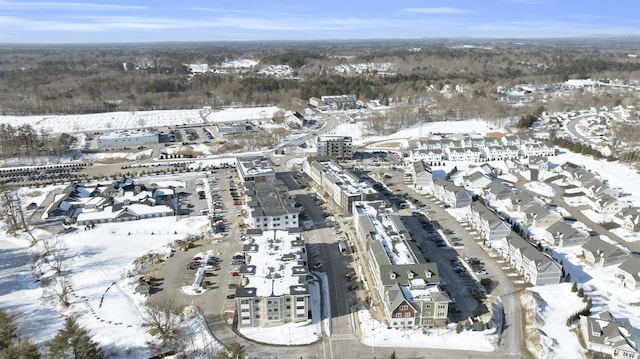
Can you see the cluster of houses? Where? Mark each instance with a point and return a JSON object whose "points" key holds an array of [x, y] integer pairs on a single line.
{"points": [[584, 187], [116, 201], [470, 147]]}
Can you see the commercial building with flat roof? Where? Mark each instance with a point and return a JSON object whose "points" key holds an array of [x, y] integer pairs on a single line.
{"points": [[128, 138], [274, 288], [255, 169]]}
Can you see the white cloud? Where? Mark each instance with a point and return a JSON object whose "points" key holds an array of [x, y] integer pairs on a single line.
{"points": [[435, 10]]}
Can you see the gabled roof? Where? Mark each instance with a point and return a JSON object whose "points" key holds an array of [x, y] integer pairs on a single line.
{"points": [[631, 266], [600, 248]]}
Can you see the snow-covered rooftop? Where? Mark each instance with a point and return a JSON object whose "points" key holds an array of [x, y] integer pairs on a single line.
{"points": [[275, 264]]}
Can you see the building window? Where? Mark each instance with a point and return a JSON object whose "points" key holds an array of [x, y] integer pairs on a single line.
{"points": [[404, 307], [398, 315], [288, 307], [407, 315]]}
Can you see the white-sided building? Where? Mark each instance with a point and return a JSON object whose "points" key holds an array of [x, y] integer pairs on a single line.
{"points": [[270, 206], [255, 169], [339, 147], [274, 288], [125, 138]]}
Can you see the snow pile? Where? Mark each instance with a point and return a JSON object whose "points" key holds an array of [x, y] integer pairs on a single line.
{"points": [[540, 188], [546, 312]]}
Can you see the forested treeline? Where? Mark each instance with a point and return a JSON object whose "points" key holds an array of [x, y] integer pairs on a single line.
{"points": [[77, 79]]}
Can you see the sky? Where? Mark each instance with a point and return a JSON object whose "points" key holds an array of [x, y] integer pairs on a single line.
{"points": [[118, 21]]}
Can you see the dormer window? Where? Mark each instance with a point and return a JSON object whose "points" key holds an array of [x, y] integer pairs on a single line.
{"points": [[410, 274], [427, 274], [392, 275]]}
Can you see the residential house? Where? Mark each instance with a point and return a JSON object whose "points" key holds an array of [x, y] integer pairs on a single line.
{"points": [[539, 162], [462, 154], [539, 216], [487, 223], [609, 205], [628, 273], [604, 334], [433, 157], [450, 194], [521, 201], [423, 176], [476, 181], [495, 191], [598, 252], [629, 219], [561, 234], [536, 267]]}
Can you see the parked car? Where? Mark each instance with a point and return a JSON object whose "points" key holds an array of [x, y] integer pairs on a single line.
{"points": [[231, 296], [317, 265], [350, 274], [353, 287]]}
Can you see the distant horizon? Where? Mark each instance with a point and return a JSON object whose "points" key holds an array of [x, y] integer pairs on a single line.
{"points": [[162, 21], [459, 39]]}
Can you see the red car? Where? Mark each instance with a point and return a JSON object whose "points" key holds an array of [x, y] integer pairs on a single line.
{"points": [[235, 274]]}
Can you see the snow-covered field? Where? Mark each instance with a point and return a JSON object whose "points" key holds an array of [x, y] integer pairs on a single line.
{"points": [[137, 119]]}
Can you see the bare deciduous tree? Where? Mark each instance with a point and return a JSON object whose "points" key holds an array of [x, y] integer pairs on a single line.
{"points": [[12, 213], [162, 321]]}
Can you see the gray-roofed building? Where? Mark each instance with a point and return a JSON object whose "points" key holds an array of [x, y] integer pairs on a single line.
{"points": [[337, 184], [450, 194], [273, 288], [603, 334], [404, 282], [600, 253], [476, 181], [521, 201], [628, 273], [271, 206], [121, 138], [423, 177], [563, 235], [255, 169], [486, 222], [539, 216], [536, 267], [609, 205], [629, 219], [495, 191]]}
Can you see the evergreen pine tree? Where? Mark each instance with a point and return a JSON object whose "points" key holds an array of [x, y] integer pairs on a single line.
{"points": [[567, 279], [574, 287], [74, 342]]}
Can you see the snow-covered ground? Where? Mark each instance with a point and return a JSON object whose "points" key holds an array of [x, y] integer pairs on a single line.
{"points": [[375, 333], [100, 270]]}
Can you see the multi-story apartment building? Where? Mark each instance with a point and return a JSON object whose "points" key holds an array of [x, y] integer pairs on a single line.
{"points": [[338, 185], [274, 287], [339, 147], [406, 285], [270, 206]]}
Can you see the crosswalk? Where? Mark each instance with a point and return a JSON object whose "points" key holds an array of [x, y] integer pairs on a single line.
{"points": [[343, 337]]}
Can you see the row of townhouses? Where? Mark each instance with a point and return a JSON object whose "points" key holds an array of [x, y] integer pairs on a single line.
{"points": [[536, 267], [477, 148], [406, 285]]}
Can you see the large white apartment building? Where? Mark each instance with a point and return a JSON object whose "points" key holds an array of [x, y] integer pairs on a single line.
{"points": [[274, 288]]}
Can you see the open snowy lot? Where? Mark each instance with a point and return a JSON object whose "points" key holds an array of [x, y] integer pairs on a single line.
{"points": [[100, 272]]}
